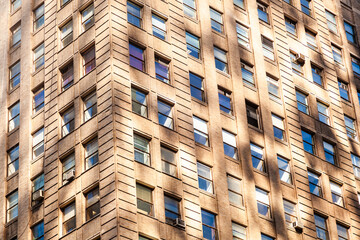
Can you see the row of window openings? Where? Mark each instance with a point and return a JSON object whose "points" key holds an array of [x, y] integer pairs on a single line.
{"points": [[68, 216]]}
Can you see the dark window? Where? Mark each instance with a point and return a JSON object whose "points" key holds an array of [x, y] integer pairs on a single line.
{"points": [[38, 231], [252, 113], [141, 150], [350, 32], [314, 184], [15, 75], [92, 204], [344, 90], [172, 211], [225, 101], [317, 75], [197, 87], [321, 227], [69, 218], [162, 69], [139, 104], [220, 60], [329, 149], [263, 12], [88, 60], [305, 7], [136, 57], [90, 106], [67, 76], [68, 122], [144, 199], [308, 141]]}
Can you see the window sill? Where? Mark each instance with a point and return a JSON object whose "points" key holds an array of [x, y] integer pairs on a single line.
{"points": [[265, 174], [38, 30], [147, 215], [64, 5], [253, 88], [143, 164], [38, 157], [83, 123], [63, 47], [228, 115], [284, 142], [255, 128], [13, 131], [195, 59], [199, 101], [12, 13], [140, 28], [83, 32], [275, 99], [87, 73], [266, 218], [245, 48], [37, 206], [195, 20], [288, 184], [91, 219], [10, 222], [242, 207], [63, 236], [173, 225], [175, 177], [223, 73], [63, 137], [271, 61], [14, 48], [243, 10], [140, 115], [14, 89], [266, 24], [212, 195], [12, 175], [86, 170], [346, 102], [203, 146], [220, 34], [37, 113], [38, 70]]}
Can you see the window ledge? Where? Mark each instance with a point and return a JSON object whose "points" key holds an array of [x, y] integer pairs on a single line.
{"points": [[175, 177], [86, 170], [12, 175], [38, 30], [14, 89], [249, 87], [273, 62], [266, 218], [227, 115], [63, 236], [288, 184], [37, 113], [213, 195], [83, 32], [245, 48], [11, 222], [14, 130], [199, 60], [38, 70], [284, 142], [218, 33], [243, 10], [92, 70], [83, 123], [242, 207], [223, 73], [147, 215], [255, 128], [199, 101], [14, 48], [12, 13], [265, 174], [38, 157], [87, 221], [195, 20], [203, 146]]}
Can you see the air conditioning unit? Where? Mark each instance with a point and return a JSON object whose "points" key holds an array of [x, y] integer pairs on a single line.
{"points": [[69, 176], [179, 223], [38, 195], [298, 226], [300, 58]]}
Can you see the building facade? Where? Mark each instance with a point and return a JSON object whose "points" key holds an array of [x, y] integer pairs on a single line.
{"points": [[170, 119]]}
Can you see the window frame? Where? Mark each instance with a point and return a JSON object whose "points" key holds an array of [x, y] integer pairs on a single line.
{"points": [[214, 231], [190, 47], [256, 150], [264, 9], [247, 70], [322, 229], [237, 192], [285, 171], [132, 15], [355, 159], [70, 122], [303, 104], [134, 101], [215, 22], [193, 86], [164, 31], [37, 236], [70, 220], [290, 26], [14, 207], [93, 154], [14, 161], [230, 144], [276, 85], [192, 9], [291, 213], [296, 67], [277, 128], [308, 10], [95, 204], [350, 132], [209, 181], [353, 34], [165, 64], [331, 22], [268, 49], [315, 70], [13, 2], [147, 161], [260, 202], [64, 70], [15, 118], [38, 106], [200, 132], [68, 37], [64, 162], [132, 56], [337, 51], [243, 40], [341, 237], [344, 86], [16, 77], [312, 143], [316, 185], [39, 58], [15, 30], [91, 62], [311, 39], [169, 219], [327, 152], [141, 200], [322, 115], [93, 107], [88, 20], [249, 110], [166, 161], [227, 95], [169, 116], [337, 195], [38, 145], [221, 61]]}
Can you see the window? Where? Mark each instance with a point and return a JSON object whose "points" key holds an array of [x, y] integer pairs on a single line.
{"points": [[91, 153], [68, 122], [344, 90], [144, 199], [38, 231], [273, 87], [278, 126], [247, 73], [336, 193], [257, 157], [200, 131], [308, 141], [216, 21], [12, 206], [329, 149], [165, 115], [136, 57], [162, 69], [288, 1], [355, 63], [321, 227], [88, 60], [252, 114], [197, 87], [139, 103], [290, 26], [14, 75], [239, 3], [13, 160], [190, 8], [337, 55], [15, 5], [263, 203], [141, 150], [284, 170], [225, 101], [172, 211], [342, 232], [67, 76], [266, 237], [168, 159], [317, 75], [311, 39], [302, 104], [16, 35], [14, 116], [331, 21], [290, 212], [305, 7], [87, 18], [143, 238], [235, 191], [159, 27], [39, 58], [350, 127], [220, 60], [208, 225], [243, 35], [68, 165], [295, 65], [63, 2], [92, 203], [262, 12], [66, 34], [38, 100], [229, 142], [238, 231], [134, 14], [350, 33], [193, 45], [38, 184], [314, 184], [38, 143], [268, 48], [323, 113], [90, 107], [69, 218], [205, 178], [356, 165]]}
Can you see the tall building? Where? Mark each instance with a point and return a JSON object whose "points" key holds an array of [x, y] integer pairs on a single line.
{"points": [[170, 119]]}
